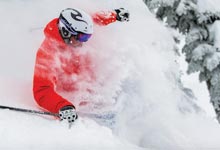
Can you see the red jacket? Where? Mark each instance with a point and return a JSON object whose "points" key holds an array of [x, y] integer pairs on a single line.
{"points": [[57, 63]]}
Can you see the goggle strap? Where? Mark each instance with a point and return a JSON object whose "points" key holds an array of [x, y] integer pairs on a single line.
{"points": [[69, 28]]}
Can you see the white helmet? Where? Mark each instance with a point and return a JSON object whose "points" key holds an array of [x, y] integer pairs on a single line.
{"points": [[73, 22]]}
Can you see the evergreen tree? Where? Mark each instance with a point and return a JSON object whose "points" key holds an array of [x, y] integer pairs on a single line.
{"points": [[201, 48]]}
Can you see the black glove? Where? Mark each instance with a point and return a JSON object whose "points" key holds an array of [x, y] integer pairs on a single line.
{"points": [[68, 113], [122, 14]]}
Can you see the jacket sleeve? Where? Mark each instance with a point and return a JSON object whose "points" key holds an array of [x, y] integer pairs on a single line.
{"points": [[43, 84], [104, 17]]}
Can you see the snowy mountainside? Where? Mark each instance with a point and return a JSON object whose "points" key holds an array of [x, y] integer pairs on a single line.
{"points": [[152, 110]]}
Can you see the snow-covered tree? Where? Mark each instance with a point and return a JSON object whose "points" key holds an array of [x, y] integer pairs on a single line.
{"points": [[202, 39]]}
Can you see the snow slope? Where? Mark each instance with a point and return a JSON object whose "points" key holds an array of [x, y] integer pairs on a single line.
{"points": [[152, 110]]}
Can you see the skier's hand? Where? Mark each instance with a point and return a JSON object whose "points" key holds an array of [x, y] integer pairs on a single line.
{"points": [[68, 113], [122, 14]]}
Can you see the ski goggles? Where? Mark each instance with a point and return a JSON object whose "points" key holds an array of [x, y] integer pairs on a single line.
{"points": [[82, 37]]}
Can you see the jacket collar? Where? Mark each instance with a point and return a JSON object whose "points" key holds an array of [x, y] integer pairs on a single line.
{"points": [[51, 31]]}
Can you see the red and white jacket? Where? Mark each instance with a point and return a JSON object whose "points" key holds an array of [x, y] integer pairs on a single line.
{"points": [[57, 63]]}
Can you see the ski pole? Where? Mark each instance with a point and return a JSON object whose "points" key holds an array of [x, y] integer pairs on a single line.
{"points": [[29, 111], [83, 114]]}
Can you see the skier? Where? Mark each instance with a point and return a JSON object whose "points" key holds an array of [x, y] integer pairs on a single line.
{"points": [[57, 61]]}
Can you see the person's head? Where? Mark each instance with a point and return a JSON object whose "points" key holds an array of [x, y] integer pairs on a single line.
{"points": [[75, 26]]}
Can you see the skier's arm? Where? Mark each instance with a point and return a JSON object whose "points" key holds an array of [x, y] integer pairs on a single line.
{"points": [[43, 86], [107, 17], [46, 97]]}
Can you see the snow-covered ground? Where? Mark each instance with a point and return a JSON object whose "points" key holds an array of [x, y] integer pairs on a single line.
{"points": [[152, 112]]}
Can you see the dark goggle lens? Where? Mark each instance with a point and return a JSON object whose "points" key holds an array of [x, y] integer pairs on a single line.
{"points": [[82, 37]]}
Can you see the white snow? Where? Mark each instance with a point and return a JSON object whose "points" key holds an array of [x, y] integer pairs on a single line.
{"points": [[139, 57]]}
